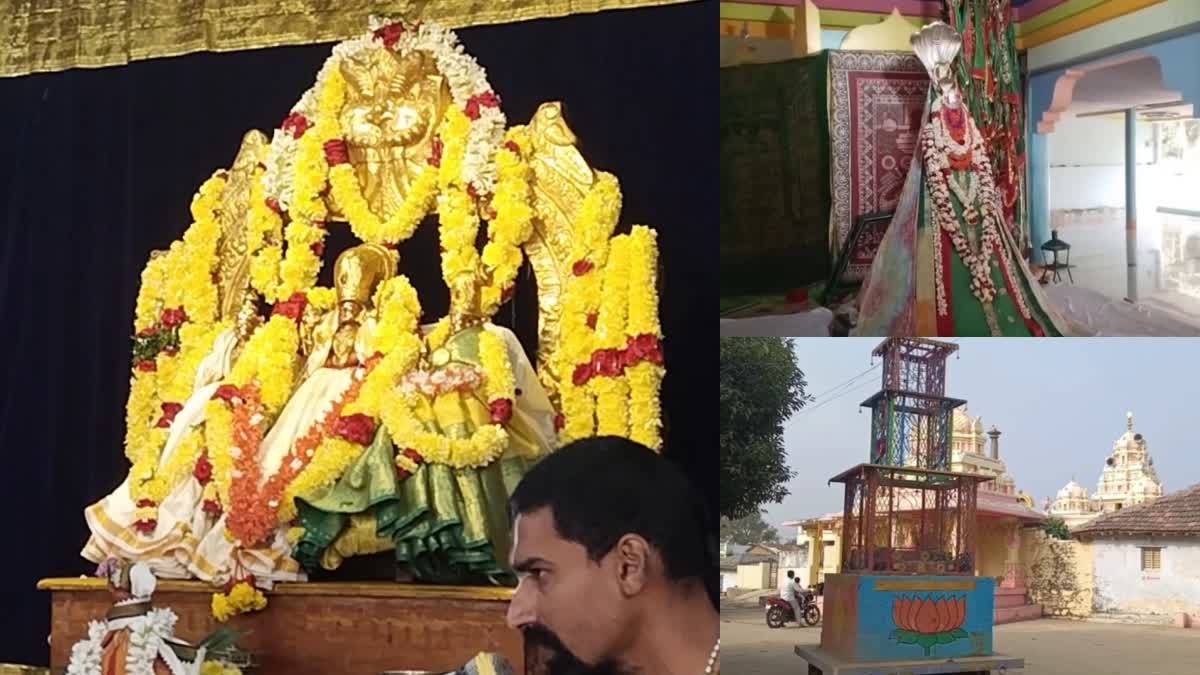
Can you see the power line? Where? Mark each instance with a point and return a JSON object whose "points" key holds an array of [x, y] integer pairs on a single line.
{"points": [[860, 387], [868, 371]]}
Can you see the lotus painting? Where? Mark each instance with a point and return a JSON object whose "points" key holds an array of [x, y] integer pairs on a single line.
{"points": [[927, 622], [886, 617]]}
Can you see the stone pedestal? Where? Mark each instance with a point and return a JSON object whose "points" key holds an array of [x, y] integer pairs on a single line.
{"points": [[345, 628], [821, 662]]}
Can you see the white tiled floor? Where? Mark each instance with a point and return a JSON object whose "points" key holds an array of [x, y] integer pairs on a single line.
{"points": [[1098, 254]]}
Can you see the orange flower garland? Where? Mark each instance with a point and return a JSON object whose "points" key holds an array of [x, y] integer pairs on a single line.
{"points": [[253, 512], [243, 520]]}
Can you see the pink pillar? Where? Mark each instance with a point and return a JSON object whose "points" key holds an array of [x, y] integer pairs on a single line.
{"points": [[1011, 573]]}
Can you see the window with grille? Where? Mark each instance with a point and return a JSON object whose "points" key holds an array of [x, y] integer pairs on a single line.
{"points": [[1151, 558]]}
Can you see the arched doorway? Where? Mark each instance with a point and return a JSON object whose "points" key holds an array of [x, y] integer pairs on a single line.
{"points": [[1104, 133]]}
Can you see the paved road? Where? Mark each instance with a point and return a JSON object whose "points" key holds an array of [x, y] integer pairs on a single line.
{"points": [[1050, 647]]}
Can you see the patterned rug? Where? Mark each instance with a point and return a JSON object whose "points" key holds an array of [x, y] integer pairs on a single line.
{"points": [[774, 176], [874, 119]]}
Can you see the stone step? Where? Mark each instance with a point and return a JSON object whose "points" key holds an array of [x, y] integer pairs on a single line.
{"points": [[1019, 613], [1010, 597], [1144, 619], [1011, 600]]}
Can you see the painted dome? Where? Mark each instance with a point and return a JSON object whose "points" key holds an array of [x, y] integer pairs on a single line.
{"points": [[965, 424], [1073, 490]]}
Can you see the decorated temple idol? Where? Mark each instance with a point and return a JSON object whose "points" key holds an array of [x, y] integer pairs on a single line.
{"points": [[949, 264], [267, 445], [826, 232]]}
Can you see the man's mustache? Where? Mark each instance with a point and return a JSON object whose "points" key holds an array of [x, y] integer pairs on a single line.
{"points": [[562, 661]]}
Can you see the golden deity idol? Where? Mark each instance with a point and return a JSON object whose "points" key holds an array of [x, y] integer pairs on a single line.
{"points": [[346, 422]]}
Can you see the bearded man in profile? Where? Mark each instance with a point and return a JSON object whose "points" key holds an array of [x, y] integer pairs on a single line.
{"points": [[611, 546]]}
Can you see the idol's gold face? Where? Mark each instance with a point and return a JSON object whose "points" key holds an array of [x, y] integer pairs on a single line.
{"points": [[349, 311]]}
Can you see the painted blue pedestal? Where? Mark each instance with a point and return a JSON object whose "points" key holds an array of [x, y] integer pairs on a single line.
{"points": [[881, 618]]}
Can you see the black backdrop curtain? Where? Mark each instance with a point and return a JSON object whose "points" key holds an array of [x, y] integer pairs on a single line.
{"points": [[99, 167]]}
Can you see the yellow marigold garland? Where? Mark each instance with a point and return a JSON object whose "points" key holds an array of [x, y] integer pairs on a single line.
{"points": [[402, 413], [645, 378], [591, 230], [439, 334], [219, 668], [612, 392], [458, 216], [403, 424], [498, 383], [178, 466], [346, 191], [305, 234], [512, 223], [264, 241], [181, 279], [200, 240], [269, 357], [243, 597], [321, 298], [142, 439], [150, 293], [218, 433]]}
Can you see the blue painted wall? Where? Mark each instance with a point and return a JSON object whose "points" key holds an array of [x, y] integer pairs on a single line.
{"points": [[832, 39]]}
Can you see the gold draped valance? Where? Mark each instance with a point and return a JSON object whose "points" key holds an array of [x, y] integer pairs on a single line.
{"points": [[49, 35]]}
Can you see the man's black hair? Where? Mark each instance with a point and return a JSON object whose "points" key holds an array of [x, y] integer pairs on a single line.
{"points": [[601, 488], [791, 574]]}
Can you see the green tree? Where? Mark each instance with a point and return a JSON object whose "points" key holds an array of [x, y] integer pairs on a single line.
{"points": [[761, 387], [1056, 528], [751, 529]]}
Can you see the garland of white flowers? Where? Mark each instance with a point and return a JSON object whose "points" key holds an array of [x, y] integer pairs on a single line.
{"points": [[147, 642], [86, 654], [941, 184], [466, 78]]}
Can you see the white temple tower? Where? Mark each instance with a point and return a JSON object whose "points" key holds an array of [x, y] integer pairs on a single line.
{"points": [[1128, 478]]}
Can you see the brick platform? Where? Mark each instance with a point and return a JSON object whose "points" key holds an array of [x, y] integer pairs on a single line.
{"points": [[344, 628]]}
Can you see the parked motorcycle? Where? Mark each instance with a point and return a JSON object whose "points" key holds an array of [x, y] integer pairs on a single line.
{"points": [[779, 611]]}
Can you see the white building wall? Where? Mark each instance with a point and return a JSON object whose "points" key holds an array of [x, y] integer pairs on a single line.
{"points": [[728, 579], [1123, 587], [796, 561]]}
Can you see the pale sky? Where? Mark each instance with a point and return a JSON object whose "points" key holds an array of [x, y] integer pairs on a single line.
{"points": [[1060, 405]]}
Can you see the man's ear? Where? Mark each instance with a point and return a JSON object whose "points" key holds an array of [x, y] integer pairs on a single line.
{"points": [[633, 558]]}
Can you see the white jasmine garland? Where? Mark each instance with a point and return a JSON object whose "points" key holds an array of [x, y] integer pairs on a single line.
{"points": [[143, 649], [942, 184], [86, 654], [146, 640], [280, 166]]}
